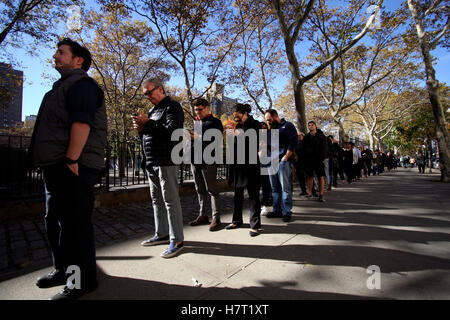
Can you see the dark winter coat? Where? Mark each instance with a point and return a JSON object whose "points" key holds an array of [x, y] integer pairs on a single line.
{"points": [[315, 147], [164, 119], [241, 175]]}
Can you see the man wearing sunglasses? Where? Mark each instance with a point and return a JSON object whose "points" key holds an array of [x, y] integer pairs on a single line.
{"points": [[155, 131]]}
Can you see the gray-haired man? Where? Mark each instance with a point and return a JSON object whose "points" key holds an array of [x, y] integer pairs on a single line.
{"points": [[156, 130]]}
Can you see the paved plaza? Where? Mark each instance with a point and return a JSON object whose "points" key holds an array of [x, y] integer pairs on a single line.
{"points": [[397, 223]]}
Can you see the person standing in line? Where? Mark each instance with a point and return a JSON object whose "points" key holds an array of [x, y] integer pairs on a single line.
{"points": [[334, 154], [300, 164], [356, 162], [247, 174], [348, 162], [368, 156], [316, 150], [205, 175], [155, 130], [266, 189], [281, 182], [68, 144]]}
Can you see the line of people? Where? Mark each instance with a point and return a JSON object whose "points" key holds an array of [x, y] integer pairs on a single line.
{"points": [[68, 144]]}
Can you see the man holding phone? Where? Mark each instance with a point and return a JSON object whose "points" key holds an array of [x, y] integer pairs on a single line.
{"points": [[205, 175], [155, 131]]}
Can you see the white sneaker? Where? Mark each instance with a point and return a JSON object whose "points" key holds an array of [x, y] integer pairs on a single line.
{"points": [[264, 211]]}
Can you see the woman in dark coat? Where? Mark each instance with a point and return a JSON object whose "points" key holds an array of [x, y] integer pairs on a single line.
{"points": [[246, 174]]}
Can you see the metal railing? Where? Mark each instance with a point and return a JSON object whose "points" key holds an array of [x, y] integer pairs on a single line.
{"points": [[122, 169]]}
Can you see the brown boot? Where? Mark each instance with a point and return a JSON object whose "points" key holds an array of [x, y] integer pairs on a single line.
{"points": [[199, 221], [215, 225]]}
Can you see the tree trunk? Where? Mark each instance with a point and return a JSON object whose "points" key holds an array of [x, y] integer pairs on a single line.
{"points": [[433, 91], [299, 98], [438, 113], [371, 141], [343, 136]]}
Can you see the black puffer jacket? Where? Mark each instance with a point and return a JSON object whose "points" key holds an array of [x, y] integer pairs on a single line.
{"points": [[165, 118]]}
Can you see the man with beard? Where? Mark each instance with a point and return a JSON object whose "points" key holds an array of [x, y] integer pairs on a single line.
{"points": [[247, 174], [281, 182], [68, 143]]}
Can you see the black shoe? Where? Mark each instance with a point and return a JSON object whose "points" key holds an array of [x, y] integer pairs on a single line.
{"points": [[53, 279], [232, 226], [287, 218], [71, 294], [321, 199], [271, 215], [303, 194], [253, 233], [199, 221]]}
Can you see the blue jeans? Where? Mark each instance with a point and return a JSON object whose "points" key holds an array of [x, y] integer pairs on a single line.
{"points": [[166, 202], [281, 183]]}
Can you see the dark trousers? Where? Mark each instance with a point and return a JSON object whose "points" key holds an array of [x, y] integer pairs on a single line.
{"points": [[266, 188], [334, 168], [421, 168], [255, 205], [348, 168], [300, 173], [69, 205], [205, 178]]}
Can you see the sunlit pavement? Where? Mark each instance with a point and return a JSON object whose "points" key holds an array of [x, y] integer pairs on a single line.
{"points": [[397, 223]]}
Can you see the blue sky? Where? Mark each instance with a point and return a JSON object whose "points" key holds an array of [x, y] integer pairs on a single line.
{"points": [[36, 86]]}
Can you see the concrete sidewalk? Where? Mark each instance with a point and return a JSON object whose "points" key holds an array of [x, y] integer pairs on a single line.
{"points": [[398, 222]]}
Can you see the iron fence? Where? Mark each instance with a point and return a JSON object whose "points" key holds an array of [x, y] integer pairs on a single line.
{"points": [[122, 168]]}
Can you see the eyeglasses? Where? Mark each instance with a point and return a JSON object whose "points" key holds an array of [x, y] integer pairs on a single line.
{"points": [[149, 92]]}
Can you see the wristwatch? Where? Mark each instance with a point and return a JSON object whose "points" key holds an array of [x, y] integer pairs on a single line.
{"points": [[70, 161]]}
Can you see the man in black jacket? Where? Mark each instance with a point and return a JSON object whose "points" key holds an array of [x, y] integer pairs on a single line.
{"points": [[156, 131], [205, 174], [315, 147], [246, 174]]}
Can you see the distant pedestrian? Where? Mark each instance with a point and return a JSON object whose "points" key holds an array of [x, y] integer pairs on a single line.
{"points": [[335, 153], [348, 162], [420, 160], [300, 164], [316, 150]]}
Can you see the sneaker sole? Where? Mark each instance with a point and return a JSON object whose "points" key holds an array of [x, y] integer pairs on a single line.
{"points": [[154, 243], [173, 254]]}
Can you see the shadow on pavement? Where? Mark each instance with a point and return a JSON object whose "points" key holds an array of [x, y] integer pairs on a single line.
{"points": [[389, 260], [122, 288]]}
